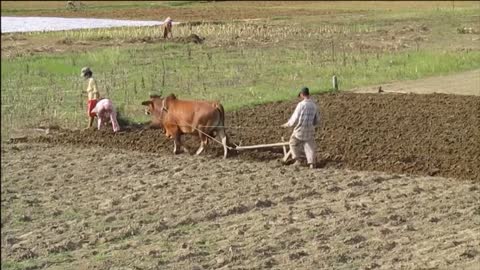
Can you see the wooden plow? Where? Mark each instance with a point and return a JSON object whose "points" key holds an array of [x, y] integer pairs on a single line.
{"points": [[286, 154]]}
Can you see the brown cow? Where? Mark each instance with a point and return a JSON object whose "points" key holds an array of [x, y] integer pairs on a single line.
{"points": [[178, 117]]}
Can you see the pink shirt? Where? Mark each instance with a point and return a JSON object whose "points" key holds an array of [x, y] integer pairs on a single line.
{"points": [[105, 110]]}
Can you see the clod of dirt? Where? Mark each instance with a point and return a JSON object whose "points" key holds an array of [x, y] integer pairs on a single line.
{"points": [[25, 218], [466, 30], [470, 253], [269, 263], [326, 212], [110, 218], [372, 266], [355, 240], [410, 228], [343, 258], [263, 204], [220, 261], [396, 220], [160, 226], [193, 38], [197, 267], [11, 240], [309, 214], [297, 255], [26, 254], [385, 231], [66, 41], [434, 219], [186, 221], [106, 204], [334, 189], [154, 253], [238, 209], [66, 245], [390, 245], [424, 28]]}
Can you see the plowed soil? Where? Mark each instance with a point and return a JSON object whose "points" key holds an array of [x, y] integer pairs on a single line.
{"points": [[436, 134]]}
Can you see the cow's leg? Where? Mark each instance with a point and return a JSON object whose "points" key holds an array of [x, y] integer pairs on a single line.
{"points": [[203, 142], [183, 147], [223, 136], [177, 145]]}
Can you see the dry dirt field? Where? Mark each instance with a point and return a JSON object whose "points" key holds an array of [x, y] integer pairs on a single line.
{"points": [[97, 208], [95, 200]]}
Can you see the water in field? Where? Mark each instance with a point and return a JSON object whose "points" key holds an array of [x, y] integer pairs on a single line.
{"points": [[33, 24]]}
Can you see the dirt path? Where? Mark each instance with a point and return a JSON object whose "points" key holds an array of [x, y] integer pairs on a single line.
{"points": [[71, 207], [465, 83]]}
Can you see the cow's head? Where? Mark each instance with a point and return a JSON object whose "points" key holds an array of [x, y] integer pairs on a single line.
{"points": [[157, 105], [149, 107]]}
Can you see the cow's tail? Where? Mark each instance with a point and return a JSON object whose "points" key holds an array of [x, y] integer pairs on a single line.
{"points": [[222, 123], [222, 114]]}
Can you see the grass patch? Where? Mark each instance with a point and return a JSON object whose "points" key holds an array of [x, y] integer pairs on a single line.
{"points": [[27, 264], [180, 3], [49, 88], [102, 256], [40, 262]]}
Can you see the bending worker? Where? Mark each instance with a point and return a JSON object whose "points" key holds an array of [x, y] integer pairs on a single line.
{"points": [[92, 93], [105, 111], [304, 120]]}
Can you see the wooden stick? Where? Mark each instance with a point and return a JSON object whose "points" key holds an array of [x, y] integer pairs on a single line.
{"points": [[287, 155], [261, 146]]}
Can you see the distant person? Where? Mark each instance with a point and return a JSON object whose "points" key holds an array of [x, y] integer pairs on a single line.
{"points": [[304, 120], [92, 94], [105, 111], [167, 27], [71, 5]]}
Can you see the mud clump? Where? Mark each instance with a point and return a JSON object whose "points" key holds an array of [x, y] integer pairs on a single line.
{"points": [[193, 38], [432, 134]]}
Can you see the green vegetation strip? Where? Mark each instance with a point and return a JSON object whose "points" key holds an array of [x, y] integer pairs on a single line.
{"points": [[49, 87]]}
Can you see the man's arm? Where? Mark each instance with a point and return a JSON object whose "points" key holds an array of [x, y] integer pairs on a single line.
{"points": [[294, 118]]}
